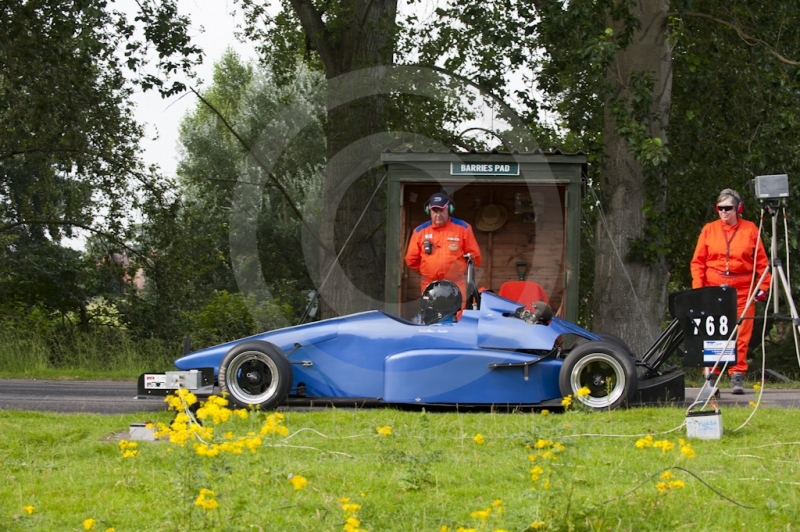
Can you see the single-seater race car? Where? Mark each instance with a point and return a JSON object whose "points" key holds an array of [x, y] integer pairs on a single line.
{"points": [[497, 354]]}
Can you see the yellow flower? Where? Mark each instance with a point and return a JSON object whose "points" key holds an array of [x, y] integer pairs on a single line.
{"points": [[642, 443], [129, 454], [497, 502], [110, 529], [545, 412], [462, 529], [662, 487], [88, 524], [478, 438], [353, 522], [676, 484], [241, 413], [298, 481], [533, 457], [664, 445], [536, 473], [538, 525], [566, 402], [385, 431], [756, 386], [28, 509], [274, 425], [558, 447], [500, 530], [583, 392], [666, 475], [547, 483], [444, 528], [688, 451], [344, 500], [351, 507], [753, 404], [206, 500], [541, 444], [483, 515]]}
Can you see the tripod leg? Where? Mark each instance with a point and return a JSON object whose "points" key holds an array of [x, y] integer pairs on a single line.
{"points": [[788, 295]]}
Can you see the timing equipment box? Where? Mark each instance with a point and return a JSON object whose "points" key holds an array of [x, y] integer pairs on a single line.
{"points": [[771, 186]]}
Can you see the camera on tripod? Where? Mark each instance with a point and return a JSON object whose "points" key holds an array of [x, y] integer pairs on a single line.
{"points": [[770, 188]]}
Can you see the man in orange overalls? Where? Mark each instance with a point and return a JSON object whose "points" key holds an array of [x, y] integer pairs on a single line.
{"points": [[437, 247], [726, 255]]}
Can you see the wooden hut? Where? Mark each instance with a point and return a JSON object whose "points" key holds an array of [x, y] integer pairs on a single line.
{"points": [[539, 194]]}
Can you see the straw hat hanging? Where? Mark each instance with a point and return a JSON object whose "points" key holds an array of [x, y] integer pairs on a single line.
{"points": [[491, 217]]}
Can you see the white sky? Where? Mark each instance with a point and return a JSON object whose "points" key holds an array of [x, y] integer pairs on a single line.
{"points": [[162, 117]]}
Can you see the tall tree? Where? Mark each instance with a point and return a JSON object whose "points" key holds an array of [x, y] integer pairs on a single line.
{"points": [[346, 37], [636, 116]]}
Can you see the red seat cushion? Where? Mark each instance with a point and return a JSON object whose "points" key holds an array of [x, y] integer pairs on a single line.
{"points": [[526, 292]]}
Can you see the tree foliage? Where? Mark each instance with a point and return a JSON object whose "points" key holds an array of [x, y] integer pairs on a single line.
{"points": [[69, 154], [185, 240]]}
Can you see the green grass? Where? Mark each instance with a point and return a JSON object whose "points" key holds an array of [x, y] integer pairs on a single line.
{"points": [[428, 473], [110, 354]]}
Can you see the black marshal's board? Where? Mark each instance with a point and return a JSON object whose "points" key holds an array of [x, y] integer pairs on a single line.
{"points": [[707, 316]]}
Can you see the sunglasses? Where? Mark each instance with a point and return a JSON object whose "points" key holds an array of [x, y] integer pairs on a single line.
{"points": [[725, 208]]}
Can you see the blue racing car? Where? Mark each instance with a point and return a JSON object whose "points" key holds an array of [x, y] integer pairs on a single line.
{"points": [[497, 354]]}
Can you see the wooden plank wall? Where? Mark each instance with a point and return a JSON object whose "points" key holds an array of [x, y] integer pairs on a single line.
{"points": [[541, 243]]}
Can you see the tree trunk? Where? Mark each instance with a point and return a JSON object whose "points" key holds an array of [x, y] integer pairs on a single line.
{"points": [[360, 37], [635, 313]]}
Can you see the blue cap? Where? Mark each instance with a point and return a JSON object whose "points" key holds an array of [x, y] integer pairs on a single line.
{"points": [[439, 201]]}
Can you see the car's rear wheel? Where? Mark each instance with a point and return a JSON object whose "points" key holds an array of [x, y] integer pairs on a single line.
{"points": [[608, 337], [256, 373], [605, 369]]}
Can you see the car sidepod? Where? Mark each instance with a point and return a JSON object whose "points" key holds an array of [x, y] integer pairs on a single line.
{"points": [[469, 376]]}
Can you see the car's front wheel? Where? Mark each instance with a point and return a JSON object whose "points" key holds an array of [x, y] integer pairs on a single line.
{"points": [[605, 369], [256, 373]]}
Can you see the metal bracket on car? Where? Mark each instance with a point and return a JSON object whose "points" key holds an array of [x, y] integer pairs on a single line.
{"points": [[304, 363], [525, 365]]}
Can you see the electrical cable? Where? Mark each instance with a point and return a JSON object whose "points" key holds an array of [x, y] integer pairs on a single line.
{"points": [[335, 261], [764, 326], [658, 473], [763, 364], [619, 258]]}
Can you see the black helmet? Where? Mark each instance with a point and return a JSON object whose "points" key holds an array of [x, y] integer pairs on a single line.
{"points": [[440, 300]]}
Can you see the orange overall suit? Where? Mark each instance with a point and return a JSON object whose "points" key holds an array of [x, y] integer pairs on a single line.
{"points": [[448, 244], [724, 256]]}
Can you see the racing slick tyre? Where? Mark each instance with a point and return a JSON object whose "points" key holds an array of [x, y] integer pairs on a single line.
{"points": [[256, 373], [608, 337], [605, 369]]}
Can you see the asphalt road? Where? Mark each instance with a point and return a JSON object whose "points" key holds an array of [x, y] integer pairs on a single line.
{"points": [[117, 397], [97, 397]]}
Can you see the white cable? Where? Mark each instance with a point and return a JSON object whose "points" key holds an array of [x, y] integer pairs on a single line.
{"points": [[763, 361]]}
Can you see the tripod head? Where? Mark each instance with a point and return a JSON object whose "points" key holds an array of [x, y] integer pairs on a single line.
{"points": [[772, 205]]}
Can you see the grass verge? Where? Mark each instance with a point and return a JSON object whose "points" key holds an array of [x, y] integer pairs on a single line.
{"points": [[110, 354], [394, 470]]}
